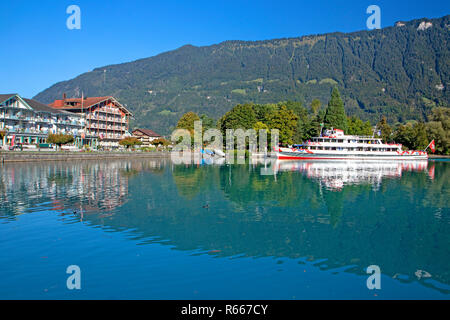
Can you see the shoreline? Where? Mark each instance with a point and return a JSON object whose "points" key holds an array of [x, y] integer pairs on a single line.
{"points": [[437, 156], [70, 156]]}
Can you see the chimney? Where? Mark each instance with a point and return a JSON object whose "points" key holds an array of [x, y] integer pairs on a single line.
{"points": [[64, 96]]}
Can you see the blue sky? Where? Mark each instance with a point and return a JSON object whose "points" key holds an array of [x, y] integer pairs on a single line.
{"points": [[38, 50]]}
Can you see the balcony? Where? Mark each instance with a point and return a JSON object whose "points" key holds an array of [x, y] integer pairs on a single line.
{"points": [[27, 130], [10, 117], [44, 120]]}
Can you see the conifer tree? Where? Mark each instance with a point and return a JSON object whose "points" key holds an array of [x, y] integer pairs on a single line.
{"points": [[335, 114]]}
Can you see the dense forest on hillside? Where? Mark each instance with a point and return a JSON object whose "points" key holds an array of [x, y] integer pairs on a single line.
{"points": [[401, 72]]}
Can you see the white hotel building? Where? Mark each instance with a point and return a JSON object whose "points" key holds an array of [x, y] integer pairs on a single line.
{"points": [[28, 121]]}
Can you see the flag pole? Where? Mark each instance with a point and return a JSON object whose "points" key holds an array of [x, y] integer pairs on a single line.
{"points": [[82, 115], [428, 145]]}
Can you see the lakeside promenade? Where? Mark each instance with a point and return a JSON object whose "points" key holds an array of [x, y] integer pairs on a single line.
{"points": [[20, 156]]}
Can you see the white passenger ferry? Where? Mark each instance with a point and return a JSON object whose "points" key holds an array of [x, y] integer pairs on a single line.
{"points": [[334, 145]]}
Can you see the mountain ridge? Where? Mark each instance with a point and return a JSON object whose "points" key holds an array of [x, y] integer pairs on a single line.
{"points": [[399, 71]]}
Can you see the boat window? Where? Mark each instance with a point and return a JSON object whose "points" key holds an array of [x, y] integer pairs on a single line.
{"points": [[333, 140], [333, 148], [340, 140]]}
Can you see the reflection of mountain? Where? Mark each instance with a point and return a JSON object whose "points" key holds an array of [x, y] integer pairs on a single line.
{"points": [[402, 226], [290, 215]]}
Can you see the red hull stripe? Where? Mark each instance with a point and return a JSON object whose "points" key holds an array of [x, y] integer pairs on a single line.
{"points": [[306, 158], [334, 158]]}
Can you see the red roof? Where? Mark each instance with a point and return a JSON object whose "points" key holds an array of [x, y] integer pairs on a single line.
{"points": [[87, 103], [148, 132]]}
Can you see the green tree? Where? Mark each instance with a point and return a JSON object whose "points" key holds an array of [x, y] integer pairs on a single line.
{"points": [[303, 121], [439, 129], [240, 117], [404, 134], [262, 110], [315, 106], [260, 126], [335, 114], [187, 121], [207, 122], [436, 131], [160, 142], [385, 128], [358, 128], [296, 107], [412, 135], [285, 121], [317, 122], [420, 136], [59, 139], [130, 142]]}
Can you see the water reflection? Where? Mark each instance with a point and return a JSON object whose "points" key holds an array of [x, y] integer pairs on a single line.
{"points": [[335, 175], [82, 187], [395, 215]]}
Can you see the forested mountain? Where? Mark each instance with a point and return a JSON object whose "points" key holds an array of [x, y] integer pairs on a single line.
{"points": [[401, 72]]}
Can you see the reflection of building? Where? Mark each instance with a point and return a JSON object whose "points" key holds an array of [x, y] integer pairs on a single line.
{"points": [[335, 175], [82, 187], [105, 117], [146, 136], [29, 122]]}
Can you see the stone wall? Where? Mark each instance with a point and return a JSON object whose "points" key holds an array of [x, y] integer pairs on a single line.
{"points": [[70, 156]]}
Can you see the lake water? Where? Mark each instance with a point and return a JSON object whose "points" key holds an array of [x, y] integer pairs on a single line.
{"points": [[151, 229]]}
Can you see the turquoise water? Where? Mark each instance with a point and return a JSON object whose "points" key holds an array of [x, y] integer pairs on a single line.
{"points": [[150, 229]]}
